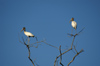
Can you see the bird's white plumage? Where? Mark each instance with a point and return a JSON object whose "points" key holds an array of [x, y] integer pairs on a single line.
{"points": [[74, 24], [28, 34]]}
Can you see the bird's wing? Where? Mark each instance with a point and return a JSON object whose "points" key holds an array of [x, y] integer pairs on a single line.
{"points": [[75, 23], [28, 33]]}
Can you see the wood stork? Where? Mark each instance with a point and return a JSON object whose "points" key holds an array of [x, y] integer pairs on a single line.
{"points": [[28, 34], [73, 23]]}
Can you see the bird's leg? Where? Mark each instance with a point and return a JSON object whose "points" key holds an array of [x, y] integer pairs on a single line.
{"points": [[72, 31], [28, 40], [76, 31]]}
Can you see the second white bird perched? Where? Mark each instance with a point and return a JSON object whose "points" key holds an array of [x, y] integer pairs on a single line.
{"points": [[28, 34], [73, 23]]}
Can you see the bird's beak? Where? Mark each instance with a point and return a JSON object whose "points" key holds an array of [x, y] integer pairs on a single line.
{"points": [[21, 30], [70, 21]]}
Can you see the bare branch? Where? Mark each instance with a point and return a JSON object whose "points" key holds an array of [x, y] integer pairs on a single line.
{"points": [[61, 64], [31, 45], [50, 45], [69, 48], [29, 53], [81, 30], [75, 57], [19, 39], [35, 62], [60, 56], [60, 53], [75, 49], [64, 52], [28, 47], [72, 42], [76, 33]]}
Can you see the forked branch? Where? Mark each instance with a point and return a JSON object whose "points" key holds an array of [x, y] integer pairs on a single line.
{"points": [[28, 52], [69, 50], [75, 57]]}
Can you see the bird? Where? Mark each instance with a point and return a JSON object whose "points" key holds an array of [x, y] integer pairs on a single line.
{"points": [[28, 34], [73, 23]]}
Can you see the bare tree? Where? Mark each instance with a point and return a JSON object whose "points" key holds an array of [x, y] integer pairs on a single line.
{"points": [[61, 53], [77, 53]]}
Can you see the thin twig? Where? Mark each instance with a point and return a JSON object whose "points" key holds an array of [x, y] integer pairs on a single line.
{"points": [[64, 52], [76, 33], [75, 49], [60, 53], [75, 57], [35, 62], [28, 50], [72, 42], [50, 45], [31, 45], [69, 48], [60, 56]]}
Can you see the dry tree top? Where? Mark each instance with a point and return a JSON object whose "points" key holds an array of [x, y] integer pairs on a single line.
{"points": [[28, 45]]}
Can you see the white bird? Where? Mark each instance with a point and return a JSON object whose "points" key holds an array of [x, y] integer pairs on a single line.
{"points": [[73, 23], [28, 34]]}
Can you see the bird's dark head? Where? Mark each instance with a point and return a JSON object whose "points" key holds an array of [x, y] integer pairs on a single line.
{"points": [[72, 19], [23, 29]]}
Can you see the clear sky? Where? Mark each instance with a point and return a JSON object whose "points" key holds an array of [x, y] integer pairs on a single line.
{"points": [[49, 19]]}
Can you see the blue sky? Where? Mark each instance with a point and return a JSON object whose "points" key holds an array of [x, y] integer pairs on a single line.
{"points": [[49, 19]]}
